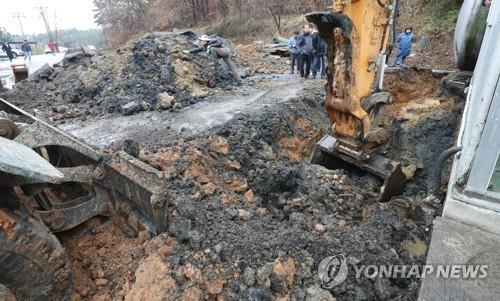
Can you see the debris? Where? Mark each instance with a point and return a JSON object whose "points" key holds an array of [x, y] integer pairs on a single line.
{"points": [[164, 101], [130, 108], [316, 293]]}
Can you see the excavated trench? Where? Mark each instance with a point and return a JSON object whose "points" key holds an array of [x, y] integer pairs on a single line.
{"points": [[250, 219]]}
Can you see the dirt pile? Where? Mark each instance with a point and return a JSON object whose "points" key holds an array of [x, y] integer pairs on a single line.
{"points": [[250, 220], [259, 60], [149, 73]]}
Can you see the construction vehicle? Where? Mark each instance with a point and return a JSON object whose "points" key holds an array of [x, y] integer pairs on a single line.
{"points": [[51, 182], [468, 232], [359, 35]]}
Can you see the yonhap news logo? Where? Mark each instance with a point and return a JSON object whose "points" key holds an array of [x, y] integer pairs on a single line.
{"points": [[333, 271]]}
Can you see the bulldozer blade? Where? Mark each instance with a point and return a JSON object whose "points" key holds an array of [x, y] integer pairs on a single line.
{"points": [[326, 153]]}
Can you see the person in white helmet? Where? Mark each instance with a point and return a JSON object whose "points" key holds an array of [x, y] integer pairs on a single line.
{"points": [[215, 48]]}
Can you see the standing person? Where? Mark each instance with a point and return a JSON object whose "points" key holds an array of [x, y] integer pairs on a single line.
{"points": [[305, 43], [405, 42], [52, 47], [294, 51], [319, 63], [6, 48], [26, 48], [215, 48]]}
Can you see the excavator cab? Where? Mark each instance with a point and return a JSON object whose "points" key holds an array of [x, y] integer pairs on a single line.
{"points": [[358, 35]]}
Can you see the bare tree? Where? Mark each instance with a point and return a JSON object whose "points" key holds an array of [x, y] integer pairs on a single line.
{"points": [[276, 9]]}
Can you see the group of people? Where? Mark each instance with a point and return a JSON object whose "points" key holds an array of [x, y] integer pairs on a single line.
{"points": [[308, 53], [25, 47]]}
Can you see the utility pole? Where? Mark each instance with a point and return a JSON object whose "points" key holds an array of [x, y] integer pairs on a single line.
{"points": [[57, 32], [43, 14], [19, 16]]}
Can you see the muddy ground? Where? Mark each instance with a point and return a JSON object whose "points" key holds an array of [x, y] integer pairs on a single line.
{"points": [[250, 219]]}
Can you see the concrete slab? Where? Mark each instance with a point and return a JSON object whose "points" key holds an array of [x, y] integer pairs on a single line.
{"points": [[456, 243]]}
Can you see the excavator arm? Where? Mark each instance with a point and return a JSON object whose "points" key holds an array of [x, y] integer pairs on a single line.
{"points": [[358, 35]]}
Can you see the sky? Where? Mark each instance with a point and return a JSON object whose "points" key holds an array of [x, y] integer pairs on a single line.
{"points": [[70, 14]]}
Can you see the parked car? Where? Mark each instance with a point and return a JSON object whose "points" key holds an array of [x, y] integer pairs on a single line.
{"points": [[15, 52], [61, 49]]}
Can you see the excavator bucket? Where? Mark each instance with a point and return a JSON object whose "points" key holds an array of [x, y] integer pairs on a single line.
{"points": [[357, 35], [329, 153]]}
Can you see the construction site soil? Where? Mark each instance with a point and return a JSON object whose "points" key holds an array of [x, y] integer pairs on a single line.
{"points": [[250, 219]]}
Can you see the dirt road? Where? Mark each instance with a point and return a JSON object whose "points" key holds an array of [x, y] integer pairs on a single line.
{"points": [[150, 128]]}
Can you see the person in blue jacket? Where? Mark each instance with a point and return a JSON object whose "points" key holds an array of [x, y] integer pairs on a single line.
{"points": [[405, 42], [294, 51]]}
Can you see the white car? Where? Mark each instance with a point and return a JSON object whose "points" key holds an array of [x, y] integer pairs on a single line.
{"points": [[15, 53], [61, 49]]}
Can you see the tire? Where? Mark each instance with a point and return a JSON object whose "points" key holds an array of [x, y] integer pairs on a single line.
{"points": [[33, 264], [14, 55]]}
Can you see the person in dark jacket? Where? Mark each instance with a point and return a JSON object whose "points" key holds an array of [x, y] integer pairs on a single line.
{"points": [[26, 48], [405, 42], [306, 51], [319, 63], [294, 51], [215, 48], [6, 48]]}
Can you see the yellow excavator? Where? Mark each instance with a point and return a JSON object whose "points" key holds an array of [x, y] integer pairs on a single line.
{"points": [[359, 35]]}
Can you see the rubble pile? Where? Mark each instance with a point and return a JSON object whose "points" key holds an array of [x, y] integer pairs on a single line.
{"points": [[251, 220], [259, 59], [149, 73]]}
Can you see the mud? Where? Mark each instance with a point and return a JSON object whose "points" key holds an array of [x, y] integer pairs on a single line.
{"points": [[126, 81], [250, 218]]}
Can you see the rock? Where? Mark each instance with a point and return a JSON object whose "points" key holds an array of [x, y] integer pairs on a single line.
{"points": [[422, 214], [210, 188], [409, 171], [244, 215], [220, 146], [130, 108], [72, 56], [164, 101], [282, 275], [192, 294], [144, 106], [320, 228], [44, 72], [152, 281], [256, 294], [237, 185], [316, 293], [180, 227], [264, 273], [250, 196], [177, 106], [249, 276], [165, 73], [87, 50]]}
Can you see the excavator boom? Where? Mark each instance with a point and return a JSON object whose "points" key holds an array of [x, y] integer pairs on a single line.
{"points": [[358, 33]]}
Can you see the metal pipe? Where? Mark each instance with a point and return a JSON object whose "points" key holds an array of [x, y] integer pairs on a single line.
{"points": [[435, 182]]}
